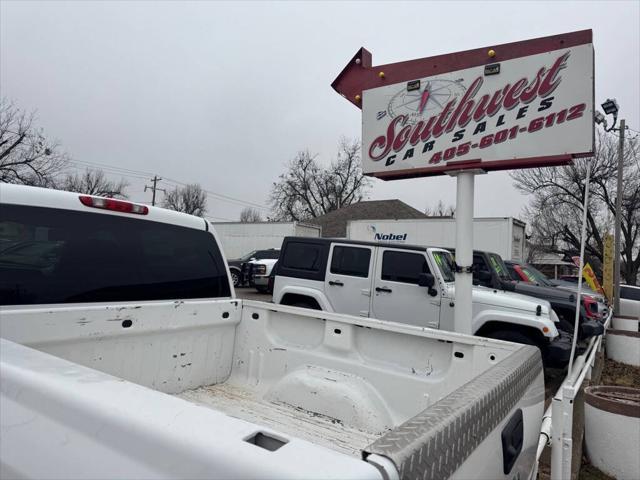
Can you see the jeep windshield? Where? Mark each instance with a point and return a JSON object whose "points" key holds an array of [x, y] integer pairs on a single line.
{"points": [[445, 264], [498, 266]]}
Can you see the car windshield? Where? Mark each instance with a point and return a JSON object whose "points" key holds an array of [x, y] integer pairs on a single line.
{"points": [[445, 264], [248, 256], [536, 275], [498, 266]]}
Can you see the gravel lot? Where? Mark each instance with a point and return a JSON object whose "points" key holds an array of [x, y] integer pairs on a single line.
{"points": [[250, 293]]}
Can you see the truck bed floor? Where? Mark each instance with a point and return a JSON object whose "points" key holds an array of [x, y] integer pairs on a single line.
{"points": [[246, 405]]}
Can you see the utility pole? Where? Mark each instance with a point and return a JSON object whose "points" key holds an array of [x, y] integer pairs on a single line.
{"points": [[616, 255], [153, 188]]}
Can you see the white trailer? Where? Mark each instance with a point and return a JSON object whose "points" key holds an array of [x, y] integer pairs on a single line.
{"points": [[239, 238], [502, 235]]}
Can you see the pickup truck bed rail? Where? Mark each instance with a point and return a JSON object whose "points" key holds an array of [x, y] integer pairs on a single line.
{"points": [[435, 443]]}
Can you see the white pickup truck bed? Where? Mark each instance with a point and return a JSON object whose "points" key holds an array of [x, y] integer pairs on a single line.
{"points": [[316, 388], [316, 428], [105, 376]]}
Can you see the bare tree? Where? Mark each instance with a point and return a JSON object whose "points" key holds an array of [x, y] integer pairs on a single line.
{"points": [[440, 210], [94, 182], [558, 194], [26, 156], [248, 215], [190, 199], [307, 189]]}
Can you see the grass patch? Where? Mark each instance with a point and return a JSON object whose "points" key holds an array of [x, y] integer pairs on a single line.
{"points": [[620, 374], [589, 472]]}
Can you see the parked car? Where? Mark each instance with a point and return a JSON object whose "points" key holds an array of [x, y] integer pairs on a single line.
{"points": [[489, 270], [236, 266], [259, 272], [128, 356], [595, 303], [630, 301], [407, 284]]}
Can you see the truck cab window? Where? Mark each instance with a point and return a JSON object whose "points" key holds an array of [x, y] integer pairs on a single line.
{"points": [[403, 267], [64, 256], [630, 292], [302, 256], [480, 268], [350, 261], [267, 254]]}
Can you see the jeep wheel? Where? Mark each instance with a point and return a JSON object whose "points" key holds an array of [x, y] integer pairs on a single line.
{"points": [[235, 278]]}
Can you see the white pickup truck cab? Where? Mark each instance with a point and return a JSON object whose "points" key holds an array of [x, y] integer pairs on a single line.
{"points": [[407, 284], [124, 354], [630, 301]]}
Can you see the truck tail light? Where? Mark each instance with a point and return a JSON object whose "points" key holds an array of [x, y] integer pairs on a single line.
{"points": [[114, 205], [590, 306]]}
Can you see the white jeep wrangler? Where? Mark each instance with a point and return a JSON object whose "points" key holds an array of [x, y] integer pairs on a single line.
{"points": [[407, 284]]}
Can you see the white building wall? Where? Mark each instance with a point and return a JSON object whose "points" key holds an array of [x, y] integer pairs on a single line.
{"points": [[240, 238], [491, 234]]}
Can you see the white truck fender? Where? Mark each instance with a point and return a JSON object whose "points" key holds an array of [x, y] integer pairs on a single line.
{"points": [[317, 295], [510, 317]]}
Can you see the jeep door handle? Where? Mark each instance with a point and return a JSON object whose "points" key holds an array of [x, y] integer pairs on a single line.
{"points": [[383, 289], [336, 283]]}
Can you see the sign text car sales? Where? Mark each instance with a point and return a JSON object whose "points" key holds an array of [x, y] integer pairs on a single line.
{"points": [[529, 111]]}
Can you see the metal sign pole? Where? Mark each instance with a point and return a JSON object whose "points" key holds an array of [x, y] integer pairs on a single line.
{"points": [[619, 195], [464, 250]]}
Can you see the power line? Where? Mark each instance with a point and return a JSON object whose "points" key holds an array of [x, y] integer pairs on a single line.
{"points": [[127, 172], [81, 166], [221, 196], [113, 167]]}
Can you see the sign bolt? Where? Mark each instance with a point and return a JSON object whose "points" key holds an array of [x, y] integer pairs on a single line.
{"points": [[358, 97], [381, 74], [491, 53]]}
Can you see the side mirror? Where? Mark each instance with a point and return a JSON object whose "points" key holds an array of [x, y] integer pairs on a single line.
{"points": [[252, 259], [426, 280]]}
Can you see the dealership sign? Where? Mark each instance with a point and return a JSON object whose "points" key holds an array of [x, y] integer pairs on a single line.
{"points": [[517, 105]]}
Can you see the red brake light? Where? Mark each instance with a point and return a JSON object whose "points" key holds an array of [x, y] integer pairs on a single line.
{"points": [[114, 205]]}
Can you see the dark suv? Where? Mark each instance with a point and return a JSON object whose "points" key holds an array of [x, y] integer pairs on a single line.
{"points": [[489, 270]]}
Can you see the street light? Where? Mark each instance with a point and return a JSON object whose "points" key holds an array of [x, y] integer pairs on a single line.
{"points": [[610, 107], [600, 119]]}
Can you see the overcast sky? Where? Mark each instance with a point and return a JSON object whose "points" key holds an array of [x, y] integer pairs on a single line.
{"points": [[225, 93]]}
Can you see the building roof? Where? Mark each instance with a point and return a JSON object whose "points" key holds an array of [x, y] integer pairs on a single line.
{"points": [[550, 259], [334, 224]]}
